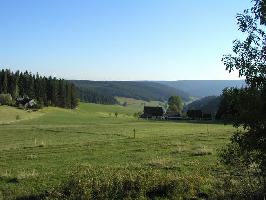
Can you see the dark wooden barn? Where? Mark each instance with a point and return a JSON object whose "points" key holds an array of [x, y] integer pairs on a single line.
{"points": [[152, 112]]}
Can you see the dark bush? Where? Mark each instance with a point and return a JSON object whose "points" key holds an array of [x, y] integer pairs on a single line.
{"points": [[5, 99]]}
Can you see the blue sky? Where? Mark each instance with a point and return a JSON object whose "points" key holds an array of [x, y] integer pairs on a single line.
{"points": [[119, 39]]}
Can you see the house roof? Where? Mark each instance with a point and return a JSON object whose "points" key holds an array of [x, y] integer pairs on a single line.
{"points": [[153, 111]]}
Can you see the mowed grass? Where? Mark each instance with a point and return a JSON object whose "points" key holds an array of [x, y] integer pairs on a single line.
{"points": [[39, 153], [11, 114]]}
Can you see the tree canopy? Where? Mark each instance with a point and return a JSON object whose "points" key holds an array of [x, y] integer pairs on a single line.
{"points": [[46, 90], [246, 107], [175, 104]]}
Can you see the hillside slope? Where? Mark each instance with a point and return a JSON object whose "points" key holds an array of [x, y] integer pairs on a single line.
{"points": [[90, 95], [209, 104], [11, 114], [202, 88], [144, 90], [41, 154]]}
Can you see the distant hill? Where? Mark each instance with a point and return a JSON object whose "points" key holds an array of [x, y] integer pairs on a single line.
{"points": [[202, 88], [137, 105], [89, 95], [209, 104], [143, 90]]}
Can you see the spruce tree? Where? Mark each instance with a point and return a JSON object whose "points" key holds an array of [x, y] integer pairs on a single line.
{"points": [[5, 83]]}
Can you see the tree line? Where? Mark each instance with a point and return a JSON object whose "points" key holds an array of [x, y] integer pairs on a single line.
{"points": [[142, 90], [47, 91], [92, 96]]}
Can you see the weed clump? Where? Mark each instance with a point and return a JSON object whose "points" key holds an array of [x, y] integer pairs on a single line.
{"points": [[203, 151], [17, 117]]}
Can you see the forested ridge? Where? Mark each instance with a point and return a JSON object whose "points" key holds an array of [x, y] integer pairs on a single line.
{"points": [[209, 104], [143, 90], [93, 96], [48, 91]]}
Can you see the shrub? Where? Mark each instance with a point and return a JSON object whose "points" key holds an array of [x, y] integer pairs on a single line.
{"points": [[238, 185], [137, 114], [17, 117], [202, 151], [5, 99]]}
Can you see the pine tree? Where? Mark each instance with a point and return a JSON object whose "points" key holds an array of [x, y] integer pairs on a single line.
{"points": [[5, 83], [74, 99], [54, 97], [47, 91], [68, 95]]}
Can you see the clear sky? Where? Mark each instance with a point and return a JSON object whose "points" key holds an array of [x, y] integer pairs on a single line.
{"points": [[119, 39]]}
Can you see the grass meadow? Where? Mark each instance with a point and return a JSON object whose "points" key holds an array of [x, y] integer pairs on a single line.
{"points": [[40, 150]]}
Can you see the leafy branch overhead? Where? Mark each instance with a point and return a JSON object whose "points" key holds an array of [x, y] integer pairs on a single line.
{"points": [[249, 55], [246, 107]]}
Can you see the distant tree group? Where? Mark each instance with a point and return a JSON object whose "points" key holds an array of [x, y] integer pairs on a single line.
{"points": [[175, 104], [142, 90], [91, 96], [46, 91], [209, 104], [5, 99]]}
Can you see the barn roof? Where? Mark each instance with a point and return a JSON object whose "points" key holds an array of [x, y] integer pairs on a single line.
{"points": [[153, 111]]}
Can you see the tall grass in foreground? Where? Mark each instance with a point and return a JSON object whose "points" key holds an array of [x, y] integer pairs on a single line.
{"points": [[110, 183]]}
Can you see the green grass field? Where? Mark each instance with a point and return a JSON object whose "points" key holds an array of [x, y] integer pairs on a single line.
{"points": [[40, 149]]}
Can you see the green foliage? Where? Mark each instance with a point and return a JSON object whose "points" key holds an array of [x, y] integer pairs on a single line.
{"points": [[93, 96], [249, 55], [209, 104], [46, 91], [237, 185], [243, 107], [5, 99], [137, 114], [246, 107], [141, 90], [175, 104]]}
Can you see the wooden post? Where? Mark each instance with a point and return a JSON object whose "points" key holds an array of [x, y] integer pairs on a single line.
{"points": [[134, 131]]}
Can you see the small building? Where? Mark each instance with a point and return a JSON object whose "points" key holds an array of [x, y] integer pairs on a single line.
{"points": [[152, 112], [31, 104], [26, 102], [22, 100]]}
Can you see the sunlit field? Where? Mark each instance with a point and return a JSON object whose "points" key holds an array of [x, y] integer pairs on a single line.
{"points": [[41, 149]]}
